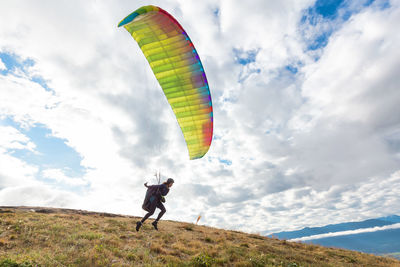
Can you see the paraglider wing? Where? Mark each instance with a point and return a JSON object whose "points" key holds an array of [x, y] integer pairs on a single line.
{"points": [[179, 71]]}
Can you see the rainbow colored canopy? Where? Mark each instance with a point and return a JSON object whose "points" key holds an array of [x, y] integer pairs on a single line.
{"points": [[178, 69]]}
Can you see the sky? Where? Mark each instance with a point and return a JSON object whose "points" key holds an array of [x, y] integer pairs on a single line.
{"points": [[305, 99]]}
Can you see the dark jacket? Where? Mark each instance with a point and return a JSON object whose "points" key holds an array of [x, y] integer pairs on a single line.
{"points": [[163, 190]]}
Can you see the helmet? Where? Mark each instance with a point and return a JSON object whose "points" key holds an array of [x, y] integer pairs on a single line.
{"points": [[170, 181]]}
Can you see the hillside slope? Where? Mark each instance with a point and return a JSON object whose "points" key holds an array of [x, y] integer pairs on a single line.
{"points": [[62, 237]]}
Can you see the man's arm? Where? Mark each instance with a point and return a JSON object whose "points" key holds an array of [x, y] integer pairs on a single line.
{"points": [[164, 190]]}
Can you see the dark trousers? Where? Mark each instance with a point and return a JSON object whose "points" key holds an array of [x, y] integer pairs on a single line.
{"points": [[157, 204]]}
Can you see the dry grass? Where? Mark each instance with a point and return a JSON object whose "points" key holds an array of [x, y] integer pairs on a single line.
{"points": [[68, 238]]}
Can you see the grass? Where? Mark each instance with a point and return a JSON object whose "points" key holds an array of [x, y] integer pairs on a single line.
{"points": [[75, 238]]}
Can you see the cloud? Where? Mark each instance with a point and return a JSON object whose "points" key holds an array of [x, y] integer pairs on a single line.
{"points": [[149, 131], [353, 108], [15, 172], [26, 195], [2, 65], [11, 138], [59, 176]]}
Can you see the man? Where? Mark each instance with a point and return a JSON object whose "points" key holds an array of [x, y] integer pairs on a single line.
{"points": [[154, 199]]}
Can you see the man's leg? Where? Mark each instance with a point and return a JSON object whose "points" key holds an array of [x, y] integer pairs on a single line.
{"points": [[151, 212], [163, 210]]}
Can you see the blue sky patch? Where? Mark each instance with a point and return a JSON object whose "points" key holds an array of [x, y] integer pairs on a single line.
{"points": [[41, 81], [14, 63], [384, 4], [327, 8], [216, 12], [320, 41], [332, 13], [225, 162], [292, 69], [245, 57], [53, 152]]}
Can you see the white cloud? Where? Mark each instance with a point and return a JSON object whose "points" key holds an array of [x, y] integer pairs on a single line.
{"points": [[351, 95], [2, 65], [26, 195], [59, 176], [11, 138], [14, 171]]}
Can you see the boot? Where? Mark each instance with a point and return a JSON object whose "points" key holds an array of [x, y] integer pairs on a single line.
{"points": [[155, 225], [138, 225]]}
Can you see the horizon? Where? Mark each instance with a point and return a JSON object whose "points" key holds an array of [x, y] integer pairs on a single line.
{"points": [[40, 209]]}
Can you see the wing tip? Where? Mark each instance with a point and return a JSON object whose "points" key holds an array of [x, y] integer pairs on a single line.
{"points": [[128, 19], [137, 12]]}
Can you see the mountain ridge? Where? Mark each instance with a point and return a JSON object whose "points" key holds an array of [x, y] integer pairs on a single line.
{"points": [[375, 238], [331, 228]]}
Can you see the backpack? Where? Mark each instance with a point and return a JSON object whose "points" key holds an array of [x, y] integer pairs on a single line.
{"points": [[151, 195]]}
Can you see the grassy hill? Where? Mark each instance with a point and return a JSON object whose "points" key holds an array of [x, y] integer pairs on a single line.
{"points": [[63, 237]]}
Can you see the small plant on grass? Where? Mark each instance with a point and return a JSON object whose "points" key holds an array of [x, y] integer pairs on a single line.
{"points": [[203, 260], [157, 249], [209, 240], [90, 236], [188, 227], [131, 257], [11, 263]]}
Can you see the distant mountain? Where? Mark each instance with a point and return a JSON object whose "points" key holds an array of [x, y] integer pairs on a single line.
{"points": [[378, 236], [332, 228], [392, 218], [379, 242]]}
